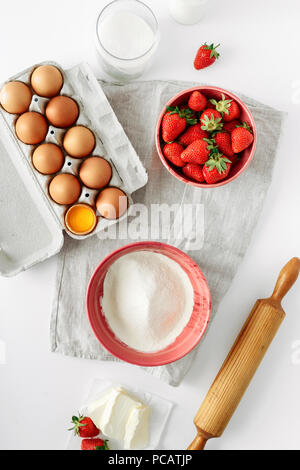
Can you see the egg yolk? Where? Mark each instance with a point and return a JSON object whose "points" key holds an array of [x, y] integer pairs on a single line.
{"points": [[80, 219]]}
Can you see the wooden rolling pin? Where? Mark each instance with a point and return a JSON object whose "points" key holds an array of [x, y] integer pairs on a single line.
{"points": [[243, 359]]}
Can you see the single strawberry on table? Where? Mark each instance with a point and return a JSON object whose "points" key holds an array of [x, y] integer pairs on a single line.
{"points": [[194, 172], [228, 108], [94, 444], [198, 151], [172, 152], [211, 120], [193, 133], [223, 142], [206, 55], [216, 168], [241, 137], [197, 101], [84, 426], [175, 121]]}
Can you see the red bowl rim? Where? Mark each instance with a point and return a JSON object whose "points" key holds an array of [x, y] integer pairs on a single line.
{"points": [[147, 362], [182, 178]]}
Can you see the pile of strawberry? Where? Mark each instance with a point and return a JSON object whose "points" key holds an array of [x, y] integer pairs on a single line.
{"points": [[84, 427], [204, 137]]}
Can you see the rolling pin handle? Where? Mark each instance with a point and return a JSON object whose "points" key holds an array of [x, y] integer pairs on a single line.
{"points": [[198, 443], [286, 279]]}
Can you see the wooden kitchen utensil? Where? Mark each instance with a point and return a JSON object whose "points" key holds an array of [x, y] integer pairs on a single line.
{"points": [[243, 359]]}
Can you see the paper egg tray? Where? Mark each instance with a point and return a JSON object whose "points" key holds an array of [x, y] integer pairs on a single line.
{"points": [[95, 112]]}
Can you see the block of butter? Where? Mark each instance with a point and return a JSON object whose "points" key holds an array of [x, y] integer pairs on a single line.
{"points": [[120, 416]]}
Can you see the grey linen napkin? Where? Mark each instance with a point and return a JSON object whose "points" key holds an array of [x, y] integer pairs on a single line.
{"points": [[230, 215]]}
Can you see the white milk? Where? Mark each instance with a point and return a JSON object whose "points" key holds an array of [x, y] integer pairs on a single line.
{"points": [[187, 11], [126, 43]]}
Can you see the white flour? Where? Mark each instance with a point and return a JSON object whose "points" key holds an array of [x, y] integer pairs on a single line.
{"points": [[147, 300]]}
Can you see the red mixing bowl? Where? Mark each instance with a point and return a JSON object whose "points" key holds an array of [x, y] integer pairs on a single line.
{"points": [[191, 334], [210, 92]]}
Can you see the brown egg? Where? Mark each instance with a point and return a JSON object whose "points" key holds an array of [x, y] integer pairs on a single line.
{"points": [[48, 159], [47, 80], [95, 172], [15, 97], [64, 189], [62, 111], [79, 141], [112, 203], [31, 128]]}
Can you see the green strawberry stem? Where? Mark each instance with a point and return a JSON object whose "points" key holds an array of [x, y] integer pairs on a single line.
{"points": [[182, 113], [245, 126], [103, 447], [218, 161], [76, 420], [213, 52], [211, 124], [222, 106]]}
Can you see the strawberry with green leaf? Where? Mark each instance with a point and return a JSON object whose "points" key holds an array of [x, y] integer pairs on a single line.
{"points": [[94, 444], [206, 55], [216, 168], [241, 137], [211, 120], [229, 109], [229, 126], [84, 427], [175, 121], [198, 151]]}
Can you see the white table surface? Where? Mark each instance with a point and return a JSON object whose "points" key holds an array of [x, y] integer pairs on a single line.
{"points": [[259, 50]]}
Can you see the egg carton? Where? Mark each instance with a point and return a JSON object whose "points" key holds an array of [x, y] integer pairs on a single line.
{"points": [[33, 230]]}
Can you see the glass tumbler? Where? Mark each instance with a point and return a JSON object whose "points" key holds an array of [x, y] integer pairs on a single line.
{"points": [[127, 37]]}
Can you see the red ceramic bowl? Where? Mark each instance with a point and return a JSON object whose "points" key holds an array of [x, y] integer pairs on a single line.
{"points": [[246, 155], [191, 334]]}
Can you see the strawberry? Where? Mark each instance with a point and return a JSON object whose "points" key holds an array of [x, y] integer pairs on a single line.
{"points": [[194, 132], [216, 168], [228, 108], [172, 152], [193, 114], [206, 55], [198, 151], [241, 138], [229, 126], [197, 101], [223, 141], [94, 444], [211, 120], [193, 171], [174, 122], [84, 427]]}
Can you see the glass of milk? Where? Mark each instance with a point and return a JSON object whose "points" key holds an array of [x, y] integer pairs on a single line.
{"points": [[126, 38], [187, 11]]}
